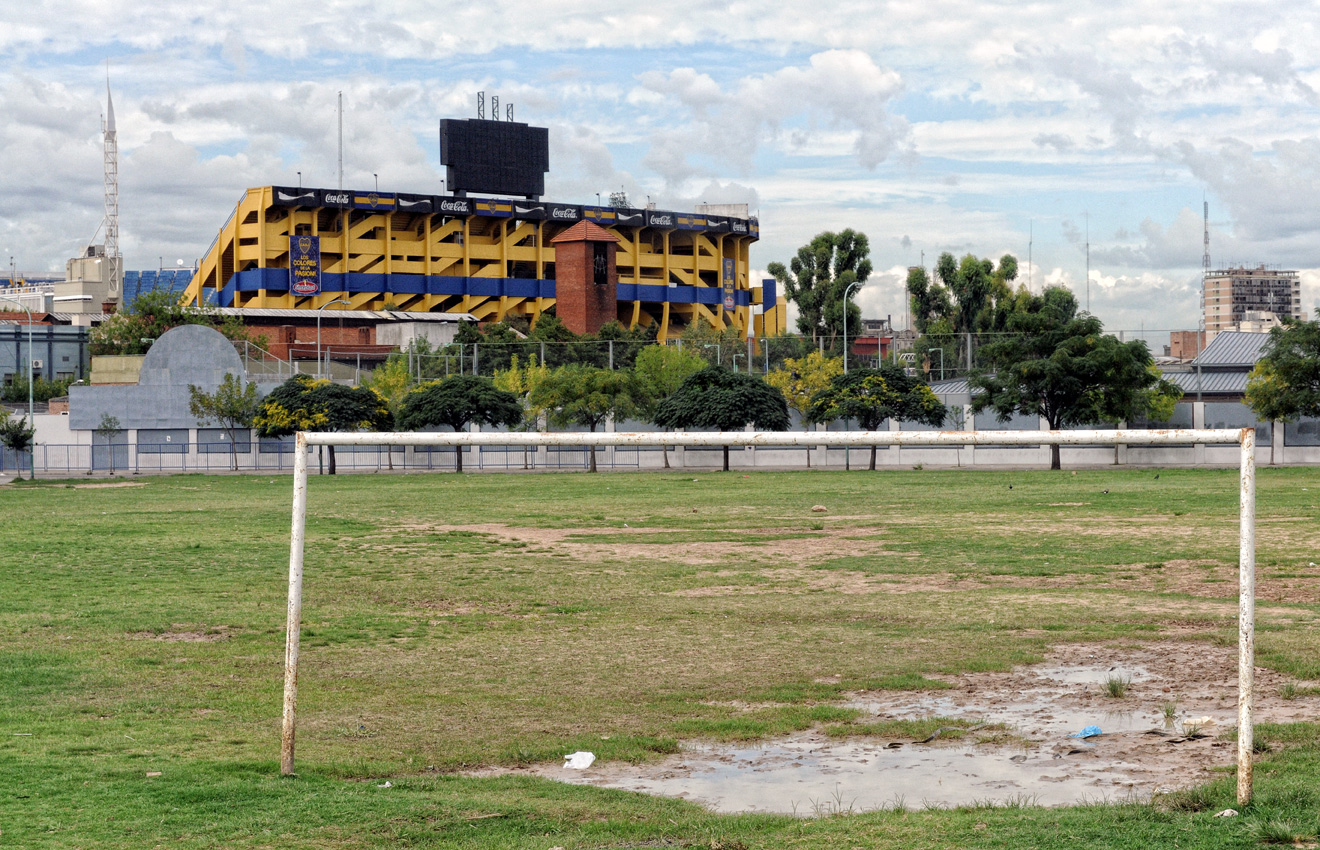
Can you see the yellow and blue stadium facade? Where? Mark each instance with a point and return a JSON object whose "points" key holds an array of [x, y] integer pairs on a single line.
{"points": [[490, 257]]}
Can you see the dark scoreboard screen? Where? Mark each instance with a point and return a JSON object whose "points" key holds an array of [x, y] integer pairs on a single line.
{"points": [[496, 157]]}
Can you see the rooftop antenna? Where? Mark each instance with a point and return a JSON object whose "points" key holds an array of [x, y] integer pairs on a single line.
{"points": [[508, 112], [481, 105], [494, 107], [341, 141], [1205, 271], [111, 150], [1088, 261]]}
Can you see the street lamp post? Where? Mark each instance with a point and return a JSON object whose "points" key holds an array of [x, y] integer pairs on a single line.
{"points": [[32, 422], [318, 331], [846, 295]]}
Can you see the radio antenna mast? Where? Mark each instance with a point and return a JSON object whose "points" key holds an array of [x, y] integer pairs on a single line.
{"points": [[1205, 271], [111, 152]]}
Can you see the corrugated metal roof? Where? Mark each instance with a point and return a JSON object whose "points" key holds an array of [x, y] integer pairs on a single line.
{"points": [[1233, 348], [1215, 383], [357, 315], [950, 387], [67, 318]]}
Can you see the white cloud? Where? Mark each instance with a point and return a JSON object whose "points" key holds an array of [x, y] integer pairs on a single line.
{"points": [[837, 90], [929, 128]]}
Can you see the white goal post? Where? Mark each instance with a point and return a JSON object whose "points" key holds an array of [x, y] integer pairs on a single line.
{"points": [[1245, 438]]}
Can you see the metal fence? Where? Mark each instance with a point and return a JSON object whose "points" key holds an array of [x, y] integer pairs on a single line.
{"points": [[70, 459]]}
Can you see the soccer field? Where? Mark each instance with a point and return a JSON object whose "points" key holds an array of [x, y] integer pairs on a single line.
{"points": [[455, 624]]}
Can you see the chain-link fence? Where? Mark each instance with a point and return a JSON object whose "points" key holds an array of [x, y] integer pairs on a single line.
{"points": [[934, 356]]}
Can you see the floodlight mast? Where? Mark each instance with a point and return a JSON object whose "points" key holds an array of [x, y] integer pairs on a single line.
{"points": [[1245, 438]]}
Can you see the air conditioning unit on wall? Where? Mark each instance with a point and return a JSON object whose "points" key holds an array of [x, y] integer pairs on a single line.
{"points": [[38, 364]]}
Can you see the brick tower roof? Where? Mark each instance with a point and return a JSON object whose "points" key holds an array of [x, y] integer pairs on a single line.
{"points": [[585, 231]]}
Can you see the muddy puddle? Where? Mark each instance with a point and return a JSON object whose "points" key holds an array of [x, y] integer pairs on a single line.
{"points": [[1167, 731]]}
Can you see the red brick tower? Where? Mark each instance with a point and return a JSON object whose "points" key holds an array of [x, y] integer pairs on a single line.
{"points": [[586, 277]]}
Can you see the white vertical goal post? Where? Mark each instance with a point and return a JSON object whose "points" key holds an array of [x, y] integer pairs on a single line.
{"points": [[1245, 438]]}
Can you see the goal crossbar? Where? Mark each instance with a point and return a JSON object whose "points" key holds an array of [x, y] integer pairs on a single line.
{"points": [[777, 439], [1245, 438]]}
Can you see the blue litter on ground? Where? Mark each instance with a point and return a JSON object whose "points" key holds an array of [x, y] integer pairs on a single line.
{"points": [[1088, 732]]}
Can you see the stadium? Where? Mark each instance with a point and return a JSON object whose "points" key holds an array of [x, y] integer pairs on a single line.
{"points": [[495, 258]]}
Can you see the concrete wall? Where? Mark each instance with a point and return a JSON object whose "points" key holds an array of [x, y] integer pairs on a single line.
{"points": [[186, 355], [402, 334]]}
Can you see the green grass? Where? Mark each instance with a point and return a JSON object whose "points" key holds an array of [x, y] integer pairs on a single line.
{"points": [[142, 631], [1116, 687]]}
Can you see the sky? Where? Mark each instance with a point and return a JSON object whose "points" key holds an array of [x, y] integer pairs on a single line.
{"points": [[1050, 130]]}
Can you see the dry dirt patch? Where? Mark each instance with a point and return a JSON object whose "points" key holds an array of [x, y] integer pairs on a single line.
{"points": [[1203, 578], [103, 485], [181, 633], [816, 547]]}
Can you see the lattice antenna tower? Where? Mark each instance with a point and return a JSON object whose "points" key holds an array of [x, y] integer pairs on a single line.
{"points": [[494, 107], [111, 151], [1205, 265]]}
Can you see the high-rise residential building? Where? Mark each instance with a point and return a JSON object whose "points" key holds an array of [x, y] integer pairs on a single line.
{"points": [[1230, 294]]}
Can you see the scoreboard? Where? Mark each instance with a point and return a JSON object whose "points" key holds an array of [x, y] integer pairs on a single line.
{"points": [[496, 157]]}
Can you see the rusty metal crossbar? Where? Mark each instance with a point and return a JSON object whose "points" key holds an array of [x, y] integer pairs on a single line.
{"points": [[1245, 438]]}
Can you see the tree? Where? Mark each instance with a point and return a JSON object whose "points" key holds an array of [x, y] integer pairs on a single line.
{"points": [[972, 294], [391, 381], [626, 343], [660, 371], [801, 379], [107, 429], [304, 404], [43, 389], [557, 337], [967, 296], [152, 314], [721, 400], [1059, 365], [522, 381], [457, 402], [233, 406], [817, 279], [584, 395], [16, 434], [872, 396], [714, 345], [1285, 384]]}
